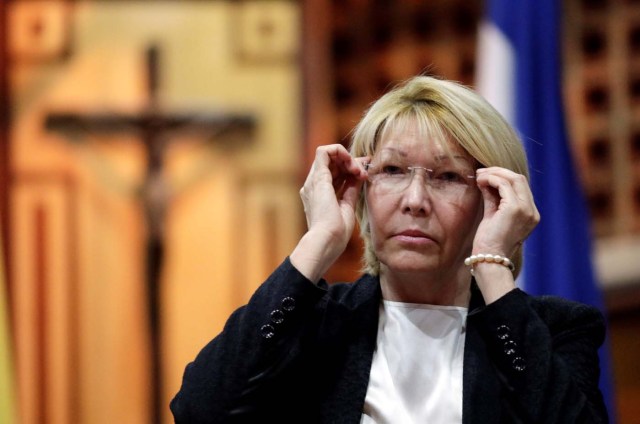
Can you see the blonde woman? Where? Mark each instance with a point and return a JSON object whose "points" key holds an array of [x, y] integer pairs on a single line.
{"points": [[435, 330]]}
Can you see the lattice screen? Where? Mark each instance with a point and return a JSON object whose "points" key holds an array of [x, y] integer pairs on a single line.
{"points": [[376, 44], [602, 70]]}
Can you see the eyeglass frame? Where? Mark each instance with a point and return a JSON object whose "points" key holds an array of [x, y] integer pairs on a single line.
{"points": [[429, 177]]}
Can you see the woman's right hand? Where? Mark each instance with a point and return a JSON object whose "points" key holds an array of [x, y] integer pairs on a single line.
{"points": [[329, 196]]}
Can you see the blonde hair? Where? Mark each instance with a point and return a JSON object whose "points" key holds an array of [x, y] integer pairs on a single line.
{"points": [[445, 110]]}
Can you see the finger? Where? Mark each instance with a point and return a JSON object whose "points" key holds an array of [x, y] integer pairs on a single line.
{"points": [[500, 197], [496, 185], [333, 167], [360, 162], [351, 192], [519, 182], [514, 191], [491, 199], [339, 162], [348, 167], [512, 187]]}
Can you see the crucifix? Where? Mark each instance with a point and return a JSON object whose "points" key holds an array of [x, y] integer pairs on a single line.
{"points": [[155, 128]]}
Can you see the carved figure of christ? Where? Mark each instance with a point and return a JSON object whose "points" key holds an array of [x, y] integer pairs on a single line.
{"points": [[155, 128]]}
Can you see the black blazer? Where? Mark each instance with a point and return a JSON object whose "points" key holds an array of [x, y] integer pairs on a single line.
{"points": [[302, 353]]}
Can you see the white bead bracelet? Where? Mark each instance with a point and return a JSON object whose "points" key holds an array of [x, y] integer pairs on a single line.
{"points": [[501, 260]]}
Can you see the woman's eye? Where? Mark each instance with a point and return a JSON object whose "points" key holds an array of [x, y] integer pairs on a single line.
{"points": [[450, 176], [393, 170]]}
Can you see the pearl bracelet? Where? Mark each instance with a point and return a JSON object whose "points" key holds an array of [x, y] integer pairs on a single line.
{"points": [[500, 260]]}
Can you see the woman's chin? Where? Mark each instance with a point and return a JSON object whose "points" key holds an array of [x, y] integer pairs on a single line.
{"points": [[410, 262]]}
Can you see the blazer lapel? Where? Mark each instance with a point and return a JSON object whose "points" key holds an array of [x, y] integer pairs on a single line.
{"points": [[480, 384], [357, 318]]}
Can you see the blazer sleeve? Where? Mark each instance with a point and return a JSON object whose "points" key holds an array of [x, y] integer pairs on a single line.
{"points": [[545, 351], [241, 369]]}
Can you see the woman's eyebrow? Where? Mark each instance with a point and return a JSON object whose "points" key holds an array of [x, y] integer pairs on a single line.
{"points": [[441, 158], [446, 158], [394, 150]]}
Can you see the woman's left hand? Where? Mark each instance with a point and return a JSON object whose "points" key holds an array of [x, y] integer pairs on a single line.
{"points": [[510, 213]]}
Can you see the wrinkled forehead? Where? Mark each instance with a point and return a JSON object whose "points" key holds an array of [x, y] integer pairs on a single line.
{"points": [[416, 136]]}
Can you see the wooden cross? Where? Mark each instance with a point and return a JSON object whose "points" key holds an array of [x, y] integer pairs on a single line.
{"points": [[155, 127]]}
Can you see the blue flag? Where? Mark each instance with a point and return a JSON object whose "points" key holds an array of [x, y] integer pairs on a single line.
{"points": [[519, 72]]}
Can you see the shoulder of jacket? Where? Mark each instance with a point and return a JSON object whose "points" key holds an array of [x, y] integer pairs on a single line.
{"points": [[561, 313], [363, 290]]}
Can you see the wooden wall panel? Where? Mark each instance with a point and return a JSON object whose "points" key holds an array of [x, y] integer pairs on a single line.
{"points": [[234, 212], [5, 120], [45, 303]]}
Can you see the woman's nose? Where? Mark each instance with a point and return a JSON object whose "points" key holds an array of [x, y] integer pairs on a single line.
{"points": [[417, 196]]}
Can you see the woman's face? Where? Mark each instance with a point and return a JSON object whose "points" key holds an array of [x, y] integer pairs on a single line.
{"points": [[422, 223]]}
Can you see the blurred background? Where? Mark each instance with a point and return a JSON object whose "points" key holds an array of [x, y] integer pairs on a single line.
{"points": [[151, 154]]}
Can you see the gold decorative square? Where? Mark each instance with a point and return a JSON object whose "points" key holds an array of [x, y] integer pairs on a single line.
{"points": [[39, 29], [267, 31]]}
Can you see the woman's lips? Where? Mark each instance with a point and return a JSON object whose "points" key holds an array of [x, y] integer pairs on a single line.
{"points": [[415, 237]]}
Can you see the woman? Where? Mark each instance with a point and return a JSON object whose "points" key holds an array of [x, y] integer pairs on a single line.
{"points": [[435, 330]]}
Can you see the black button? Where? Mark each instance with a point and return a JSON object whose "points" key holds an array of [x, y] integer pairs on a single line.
{"points": [[288, 304], [277, 316], [267, 331], [518, 364], [504, 332], [510, 347]]}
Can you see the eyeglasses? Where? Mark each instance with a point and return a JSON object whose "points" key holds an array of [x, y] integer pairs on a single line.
{"points": [[447, 182]]}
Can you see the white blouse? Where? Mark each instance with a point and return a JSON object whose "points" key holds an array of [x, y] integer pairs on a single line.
{"points": [[416, 375]]}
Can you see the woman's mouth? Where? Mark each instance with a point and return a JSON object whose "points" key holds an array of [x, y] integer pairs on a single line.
{"points": [[414, 237]]}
